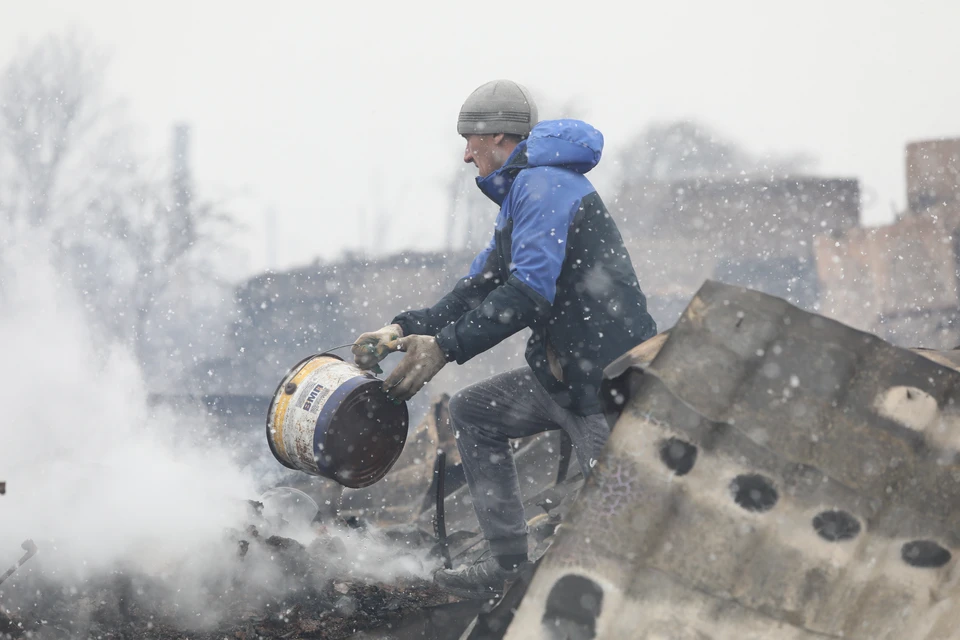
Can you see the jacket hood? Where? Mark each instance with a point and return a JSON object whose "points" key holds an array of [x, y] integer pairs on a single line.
{"points": [[571, 144], [568, 144]]}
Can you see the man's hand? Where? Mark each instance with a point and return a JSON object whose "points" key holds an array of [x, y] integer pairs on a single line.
{"points": [[372, 347], [423, 360]]}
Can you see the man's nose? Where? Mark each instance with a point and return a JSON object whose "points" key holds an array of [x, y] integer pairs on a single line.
{"points": [[467, 155]]}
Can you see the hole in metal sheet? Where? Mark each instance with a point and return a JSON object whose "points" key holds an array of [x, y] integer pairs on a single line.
{"points": [[573, 606], [924, 554], [679, 456], [754, 492], [835, 526]]}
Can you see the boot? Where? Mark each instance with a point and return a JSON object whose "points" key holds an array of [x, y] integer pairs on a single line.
{"points": [[485, 578]]}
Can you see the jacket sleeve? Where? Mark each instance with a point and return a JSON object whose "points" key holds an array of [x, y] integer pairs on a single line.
{"points": [[467, 294], [509, 308], [542, 212]]}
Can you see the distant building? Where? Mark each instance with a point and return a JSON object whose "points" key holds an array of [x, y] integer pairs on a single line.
{"points": [[285, 317], [900, 281], [752, 232]]}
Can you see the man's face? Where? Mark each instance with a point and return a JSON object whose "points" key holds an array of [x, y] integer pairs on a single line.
{"points": [[485, 152]]}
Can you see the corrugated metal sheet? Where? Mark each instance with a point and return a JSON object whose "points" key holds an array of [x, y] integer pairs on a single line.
{"points": [[772, 474]]}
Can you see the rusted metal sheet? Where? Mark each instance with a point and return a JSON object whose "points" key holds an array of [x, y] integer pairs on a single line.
{"points": [[771, 474]]}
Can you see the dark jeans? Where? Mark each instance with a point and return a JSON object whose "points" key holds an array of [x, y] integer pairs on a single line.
{"points": [[485, 416]]}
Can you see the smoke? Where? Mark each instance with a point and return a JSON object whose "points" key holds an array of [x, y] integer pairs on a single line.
{"points": [[108, 486], [91, 469]]}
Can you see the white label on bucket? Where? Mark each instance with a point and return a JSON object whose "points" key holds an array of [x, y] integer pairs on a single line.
{"points": [[315, 399], [308, 401]]}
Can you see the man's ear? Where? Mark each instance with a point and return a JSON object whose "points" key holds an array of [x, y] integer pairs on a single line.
{"points": [[497, 139]]}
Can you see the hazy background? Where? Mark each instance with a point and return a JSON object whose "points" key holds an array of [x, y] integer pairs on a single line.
{"points": [[340, 117], [134, 285]]}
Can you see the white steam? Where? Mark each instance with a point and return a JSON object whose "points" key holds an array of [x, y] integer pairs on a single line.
{"points": [[102, 481], [93, 474]]}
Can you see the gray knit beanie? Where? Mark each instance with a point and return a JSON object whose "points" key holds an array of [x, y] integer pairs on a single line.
{"points": [[500, 106]]}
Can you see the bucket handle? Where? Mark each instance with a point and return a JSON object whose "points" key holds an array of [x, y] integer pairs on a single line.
{"points": [[343, 346], [377, 368]]}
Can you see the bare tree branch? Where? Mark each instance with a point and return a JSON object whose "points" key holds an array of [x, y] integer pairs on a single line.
{"points": [[121, 237]]}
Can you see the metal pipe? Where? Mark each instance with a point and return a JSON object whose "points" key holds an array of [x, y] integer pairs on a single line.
{"points": [[441, 471], [31, 550]]}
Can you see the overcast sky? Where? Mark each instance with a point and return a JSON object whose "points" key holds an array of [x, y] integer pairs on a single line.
{"points": [[327, 112]]}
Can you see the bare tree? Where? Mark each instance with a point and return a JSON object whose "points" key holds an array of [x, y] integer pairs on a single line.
{"points": [[122, 237], [471, 214], [55, 121], [147, 250], [682, 149]]}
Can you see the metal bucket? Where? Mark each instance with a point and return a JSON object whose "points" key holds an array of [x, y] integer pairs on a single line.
{"points": [[328, 418]]}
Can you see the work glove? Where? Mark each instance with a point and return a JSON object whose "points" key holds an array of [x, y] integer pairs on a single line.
{"points": [[424, 360], [372, 347]]}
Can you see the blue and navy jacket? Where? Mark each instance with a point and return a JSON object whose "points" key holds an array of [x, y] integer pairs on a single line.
{"points": [[556, 264]]}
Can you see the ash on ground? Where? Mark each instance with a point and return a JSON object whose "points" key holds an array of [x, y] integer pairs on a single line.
{"points": [[255, 584]]}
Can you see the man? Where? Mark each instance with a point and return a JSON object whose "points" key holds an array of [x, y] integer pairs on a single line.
{"points": [[556, 264]]}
